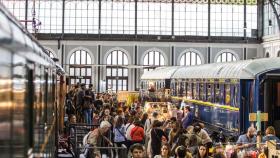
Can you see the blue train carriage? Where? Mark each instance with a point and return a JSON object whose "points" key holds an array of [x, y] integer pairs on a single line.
{"points": [[27, 93], [223, 94]]}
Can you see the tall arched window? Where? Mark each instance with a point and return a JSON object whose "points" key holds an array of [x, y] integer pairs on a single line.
{"points": [[190, 58], [267, 55], [153, 58], [226, 57], [116, 74], [80, 69]]}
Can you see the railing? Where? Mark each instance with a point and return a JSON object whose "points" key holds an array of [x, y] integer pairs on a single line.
{"points": [[108, 152], [79, 131]]}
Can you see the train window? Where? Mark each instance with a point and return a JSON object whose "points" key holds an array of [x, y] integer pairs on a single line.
{"points": [[217, 93], [185, 88], [234, 95], [201, 91], [189, 90], [194, 91], [209, 92], [228, 94], [222, 94]]}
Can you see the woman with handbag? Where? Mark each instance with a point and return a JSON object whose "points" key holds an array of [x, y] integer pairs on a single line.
{"points": [[119, 132]]}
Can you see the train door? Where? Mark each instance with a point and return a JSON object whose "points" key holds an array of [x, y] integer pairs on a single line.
{"points": [[246, 94], [272, 101], [29, 102]]}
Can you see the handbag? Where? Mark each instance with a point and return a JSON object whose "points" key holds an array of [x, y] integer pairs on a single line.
{"points": [[122, 134]]}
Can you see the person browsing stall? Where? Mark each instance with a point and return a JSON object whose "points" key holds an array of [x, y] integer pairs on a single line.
{"points": [[247, 141]]}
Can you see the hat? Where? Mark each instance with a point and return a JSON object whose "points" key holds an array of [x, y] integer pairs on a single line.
{"points": [[104, 124]]}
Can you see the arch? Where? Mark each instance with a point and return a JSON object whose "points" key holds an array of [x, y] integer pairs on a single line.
{"points": [[117, 48], [82, 73], [116, 76], [80, 48], [278, 53], [154, 49], [267, 54], [190, 50], [226, 51]]}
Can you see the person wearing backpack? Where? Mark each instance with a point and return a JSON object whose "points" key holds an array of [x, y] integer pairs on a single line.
{"points": [[137, 133]]}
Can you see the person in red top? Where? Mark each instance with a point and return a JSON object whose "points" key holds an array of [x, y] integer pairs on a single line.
{"points": [[137, 133]]}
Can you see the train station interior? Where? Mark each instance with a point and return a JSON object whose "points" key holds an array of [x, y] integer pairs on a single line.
{"points": [[140, 78]]}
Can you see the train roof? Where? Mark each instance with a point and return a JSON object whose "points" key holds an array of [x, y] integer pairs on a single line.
{"points": [[160, 73], [13, 35], [243, 69]]}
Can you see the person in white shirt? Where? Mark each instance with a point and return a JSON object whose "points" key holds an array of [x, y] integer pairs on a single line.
{"points": [[128, 127]]}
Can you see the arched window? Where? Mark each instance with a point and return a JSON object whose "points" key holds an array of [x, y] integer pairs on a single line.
{"points": [[190, 58], [226, 57], [50, 53], [153, 58], [80, 69], [267, 55], [116, 75], [278, 53]]}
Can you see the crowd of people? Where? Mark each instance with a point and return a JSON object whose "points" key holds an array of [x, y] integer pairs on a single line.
{"points": [[122, 125]]}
